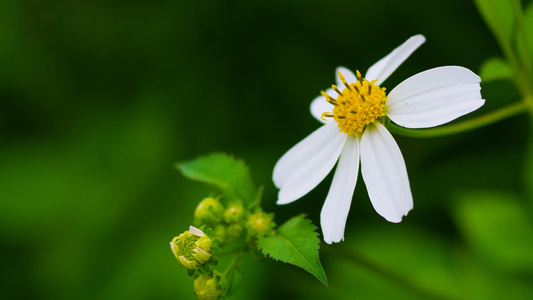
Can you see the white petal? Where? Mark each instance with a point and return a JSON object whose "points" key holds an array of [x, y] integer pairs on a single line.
{"points": [[383, 68], [319, 106], [335, 210], [385, 174], [305, 165], [434, 97], [347, 74]]}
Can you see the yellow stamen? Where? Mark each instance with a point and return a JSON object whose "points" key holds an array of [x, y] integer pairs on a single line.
{"points": [[363, 102], [327, 115], [336, 90], [329, 98], [358, 75], [344, 80]]}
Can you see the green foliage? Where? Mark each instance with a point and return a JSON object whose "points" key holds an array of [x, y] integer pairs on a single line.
{"points": [[497, 225], [223, 171], [410, 256], [295, 242], [413, 262], [528, 170], [234, 280], [513, 31], [528, 25], [498, 15], [495, 69]]}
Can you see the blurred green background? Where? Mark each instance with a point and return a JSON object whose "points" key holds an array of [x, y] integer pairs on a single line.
{"points": [[98, 100]]}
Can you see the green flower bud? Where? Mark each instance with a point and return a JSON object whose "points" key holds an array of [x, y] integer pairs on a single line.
{"points": [[207, 287], [209, 211], [234, 213], [260, 224], [192, 248], [219, 232], [234, 231]]}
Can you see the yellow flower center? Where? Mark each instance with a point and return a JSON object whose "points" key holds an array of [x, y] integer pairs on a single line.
{"points": [[358, 105]]}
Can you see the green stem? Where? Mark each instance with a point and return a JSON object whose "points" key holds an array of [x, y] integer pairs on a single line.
{"points": [[524, 71], [240, 248], [522, 31], [492, 117], [528, 100], [356, 258], [234, 263]]}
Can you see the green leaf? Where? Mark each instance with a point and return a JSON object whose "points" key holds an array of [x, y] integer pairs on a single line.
{"points": [[417, 259], [234, 280], [408, 261], [257, 199], [296, 242], [223, 171], [495, 69], [498, 15], [497, 226]]}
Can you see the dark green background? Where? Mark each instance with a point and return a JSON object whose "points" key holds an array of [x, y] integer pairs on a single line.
{"points": [[98, 100]]}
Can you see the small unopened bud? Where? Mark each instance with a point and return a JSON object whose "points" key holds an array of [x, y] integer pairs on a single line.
{"points": [[207, 287], [260, 224], [209, 211], [219, 232], [234, 231], [234, 213], [192, 248]]}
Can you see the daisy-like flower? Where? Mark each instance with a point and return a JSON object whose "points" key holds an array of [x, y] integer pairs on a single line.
{"points": [[354, 113]]}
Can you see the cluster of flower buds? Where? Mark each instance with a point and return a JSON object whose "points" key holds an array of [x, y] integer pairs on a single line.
{"points": [[230, 221], [217, 223]]}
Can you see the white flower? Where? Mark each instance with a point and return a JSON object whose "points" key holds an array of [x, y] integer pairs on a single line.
{"points": [[355, 131]]}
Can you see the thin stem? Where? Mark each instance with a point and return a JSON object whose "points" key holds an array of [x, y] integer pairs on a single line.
{"points": [[234, 263], [240, 248], [492, 117], [528, 100], [519, 15], [358, 259], [523, 50]]}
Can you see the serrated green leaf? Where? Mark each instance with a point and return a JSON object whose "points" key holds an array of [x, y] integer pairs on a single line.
{"points": [[495, 69], [223, 171], [296, 242]]}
